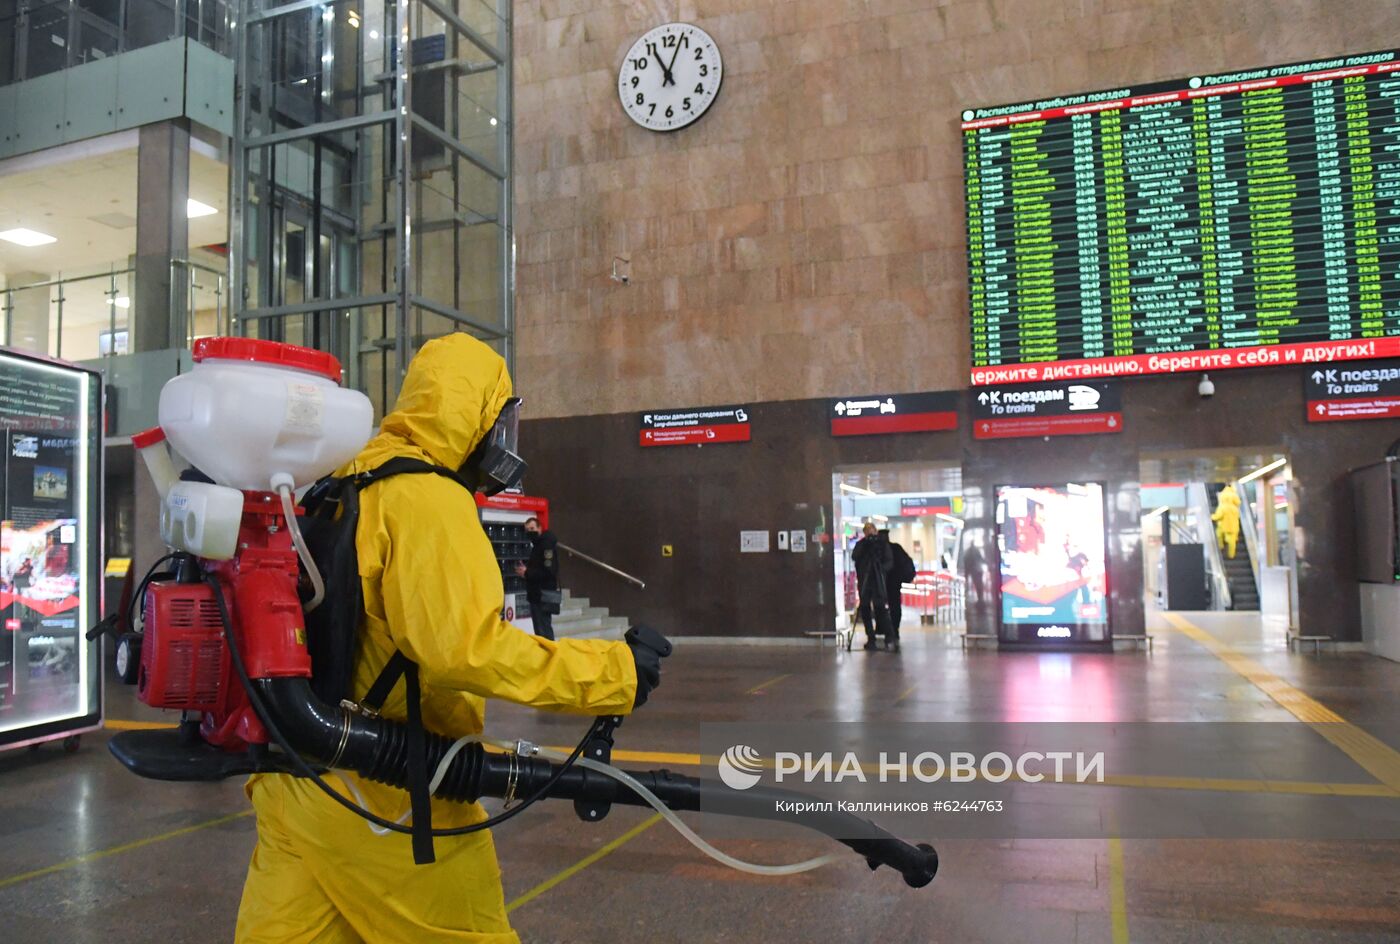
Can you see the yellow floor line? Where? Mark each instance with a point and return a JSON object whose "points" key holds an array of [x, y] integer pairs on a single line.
{"points": [[1117, 893], [122, 724], [1376, 757], [772, 681], [907, 692], [584, 863], [118, 850]]}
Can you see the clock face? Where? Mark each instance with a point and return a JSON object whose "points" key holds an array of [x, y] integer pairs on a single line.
{"points": [[670, 77]]}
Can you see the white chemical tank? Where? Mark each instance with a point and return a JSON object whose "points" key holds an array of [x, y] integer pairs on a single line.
{"points": [[251, 409]]}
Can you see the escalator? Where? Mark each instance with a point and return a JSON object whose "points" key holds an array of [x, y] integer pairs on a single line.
{"points": [[1239, 570]]}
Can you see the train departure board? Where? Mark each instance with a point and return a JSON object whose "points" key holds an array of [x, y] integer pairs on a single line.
{"points": [[1234, 220]]}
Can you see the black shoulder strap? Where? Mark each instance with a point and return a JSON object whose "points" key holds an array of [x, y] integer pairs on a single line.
{"points": [[404, 465], [420, 802], [399, 665]]}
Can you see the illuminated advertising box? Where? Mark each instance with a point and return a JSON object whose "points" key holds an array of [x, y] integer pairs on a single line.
{"points": [[1053, 564], [50, 548]]}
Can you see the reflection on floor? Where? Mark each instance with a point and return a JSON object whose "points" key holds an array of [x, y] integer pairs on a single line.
{"points": [[90, 853]]}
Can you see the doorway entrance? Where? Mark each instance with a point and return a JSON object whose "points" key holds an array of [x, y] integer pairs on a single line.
{"points": [[1217, 530], [918, 506]]}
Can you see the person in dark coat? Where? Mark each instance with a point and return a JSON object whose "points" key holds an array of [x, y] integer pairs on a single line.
{"points": [[873, 561], [541, 573], [902, 571]]}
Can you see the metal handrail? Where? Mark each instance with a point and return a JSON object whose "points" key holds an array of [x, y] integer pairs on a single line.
{"points": [[641, 584], [1199, 500], [1250, 527]]}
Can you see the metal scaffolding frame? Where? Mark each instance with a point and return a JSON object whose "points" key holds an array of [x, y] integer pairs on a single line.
{"points": [[370, 186]]}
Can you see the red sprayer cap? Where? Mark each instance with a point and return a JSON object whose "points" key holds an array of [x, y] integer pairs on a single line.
{"points": [[148, 437], [273, 353]]}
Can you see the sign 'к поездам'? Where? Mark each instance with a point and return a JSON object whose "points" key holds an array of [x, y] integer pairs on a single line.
{"points": [[1354, 392], [1077, 409]]}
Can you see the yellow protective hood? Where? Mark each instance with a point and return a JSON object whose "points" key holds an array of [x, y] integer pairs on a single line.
{"points": [[455, 388]]}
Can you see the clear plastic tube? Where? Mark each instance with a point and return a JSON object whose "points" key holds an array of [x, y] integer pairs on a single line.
{"points": [[622, 777], [679, 825], [289, 511]]}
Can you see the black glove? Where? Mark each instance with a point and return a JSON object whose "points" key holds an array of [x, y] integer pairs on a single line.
{"points": [[648, 649]]}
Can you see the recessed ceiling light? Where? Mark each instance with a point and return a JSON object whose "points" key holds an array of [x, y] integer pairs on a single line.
{"points": [[26, 237], [194, 209]]}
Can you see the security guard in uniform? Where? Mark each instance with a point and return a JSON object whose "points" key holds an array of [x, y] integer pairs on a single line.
{"points": [[541, 575]]}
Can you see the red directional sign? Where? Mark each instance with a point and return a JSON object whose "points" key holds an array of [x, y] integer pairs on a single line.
{"points": [[1075, 409], [1353, 392], [894, 413]]}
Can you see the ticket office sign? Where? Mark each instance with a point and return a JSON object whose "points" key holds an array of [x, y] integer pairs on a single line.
{"points": [[695, 427]]}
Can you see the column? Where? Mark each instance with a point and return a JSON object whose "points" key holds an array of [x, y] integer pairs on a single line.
{"points": [[1033, 183], [996, 269], [1089, 251], [162, 234], [1365, 235], [1120, 313], [1336, 288], [1210, 263], [1272, 189], [1164, 239]]}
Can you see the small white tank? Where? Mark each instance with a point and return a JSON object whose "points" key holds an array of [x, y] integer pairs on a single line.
{"points": [[251, 409]]}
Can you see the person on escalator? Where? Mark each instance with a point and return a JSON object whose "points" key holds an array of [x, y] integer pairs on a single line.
{"points": [[432, 591], [1227, 520]]}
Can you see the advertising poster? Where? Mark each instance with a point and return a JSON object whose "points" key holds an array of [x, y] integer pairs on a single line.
{"points": [[1052, 547], [48, 555]]}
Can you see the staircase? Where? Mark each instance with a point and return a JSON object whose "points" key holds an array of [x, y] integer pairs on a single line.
{"points": [[576, 619]]}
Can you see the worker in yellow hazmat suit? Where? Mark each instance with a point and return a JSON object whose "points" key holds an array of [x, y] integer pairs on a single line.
{"points": [[1227, 519], [432, 590]]}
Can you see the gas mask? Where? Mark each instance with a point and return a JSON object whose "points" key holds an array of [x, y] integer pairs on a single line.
{"points": [[494, 464]]}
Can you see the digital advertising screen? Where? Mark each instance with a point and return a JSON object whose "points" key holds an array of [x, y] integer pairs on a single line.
{"points": [[50, 545], [1053, 551], [1249, 218]]}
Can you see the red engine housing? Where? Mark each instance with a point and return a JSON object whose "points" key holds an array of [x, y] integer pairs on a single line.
{"points": [[185, 662]]}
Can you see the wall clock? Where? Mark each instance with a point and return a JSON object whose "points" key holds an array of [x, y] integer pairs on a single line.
{"points": [[670, 77]]}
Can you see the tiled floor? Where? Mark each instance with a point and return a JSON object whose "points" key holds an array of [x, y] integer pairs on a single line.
{"points": [[89, 852]]}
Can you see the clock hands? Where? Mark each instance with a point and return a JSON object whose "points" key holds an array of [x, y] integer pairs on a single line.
{"points": [[668, 77]]}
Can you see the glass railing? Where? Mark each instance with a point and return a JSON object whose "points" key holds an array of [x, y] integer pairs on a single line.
{"points": [[87, 317], [48, 37]]}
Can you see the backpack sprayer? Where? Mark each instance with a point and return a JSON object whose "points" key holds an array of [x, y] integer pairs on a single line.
{"points": [[225, 638]]}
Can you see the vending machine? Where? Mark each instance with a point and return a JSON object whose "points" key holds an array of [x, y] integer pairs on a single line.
{"points": [[50, 548], [504, 516]]}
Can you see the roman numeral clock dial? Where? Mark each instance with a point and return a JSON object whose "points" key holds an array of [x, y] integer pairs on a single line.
{"points": [[670, 77]]}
